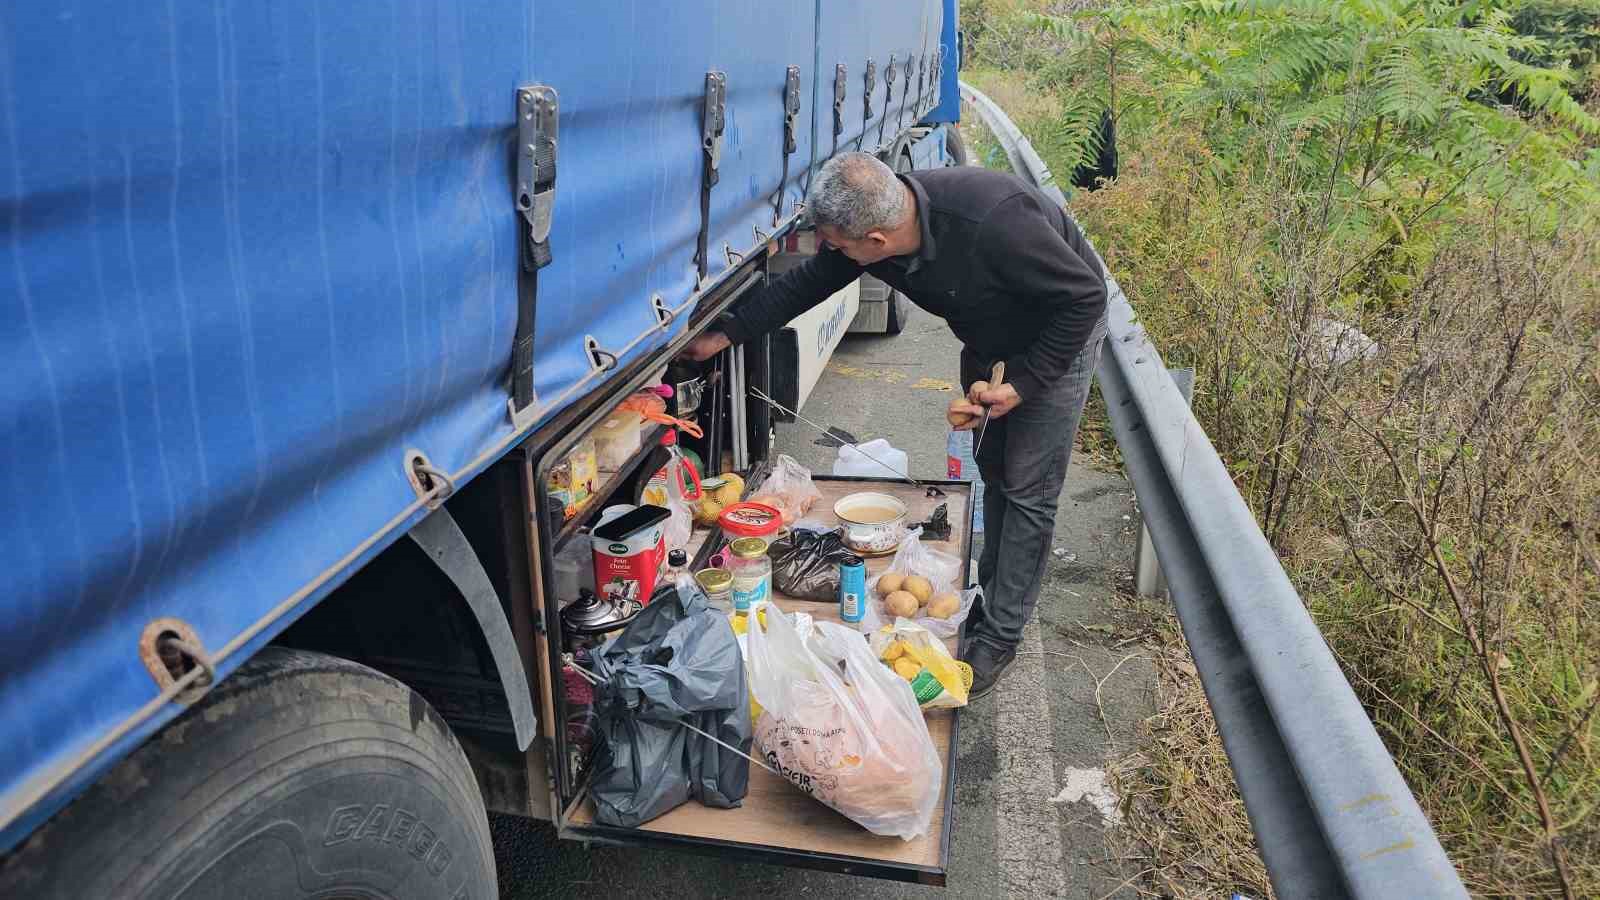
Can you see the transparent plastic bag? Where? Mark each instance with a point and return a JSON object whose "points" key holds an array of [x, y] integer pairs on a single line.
{"points": [[941, 569], [842, 727], [789, 488], [681, 500], [937, 679]]}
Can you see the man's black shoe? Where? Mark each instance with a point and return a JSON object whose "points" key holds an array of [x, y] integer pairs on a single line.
{"points": [[988, 664]]}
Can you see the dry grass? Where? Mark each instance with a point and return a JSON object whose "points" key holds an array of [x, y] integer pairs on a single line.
{"points": [[1437, 505], [1181, 805]]}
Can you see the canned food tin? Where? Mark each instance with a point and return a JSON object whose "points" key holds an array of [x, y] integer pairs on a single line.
{"points": [[852, 589]]}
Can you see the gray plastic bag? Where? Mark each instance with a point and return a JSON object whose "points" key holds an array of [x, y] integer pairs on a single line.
{"points": [[677, 661]]}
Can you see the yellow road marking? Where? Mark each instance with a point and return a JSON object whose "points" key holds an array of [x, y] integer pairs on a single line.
{"points": [[889, 376]]}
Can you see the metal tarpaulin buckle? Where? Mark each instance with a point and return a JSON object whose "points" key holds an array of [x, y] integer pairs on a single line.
{"points": [[888, 83], [537, 116], [839, 73], [791, 107], [711, 119], [871, 79]]}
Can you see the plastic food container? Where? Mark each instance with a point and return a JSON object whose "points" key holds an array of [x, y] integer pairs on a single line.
{"points": [[618, 438], [873, 522], [750, 520]]}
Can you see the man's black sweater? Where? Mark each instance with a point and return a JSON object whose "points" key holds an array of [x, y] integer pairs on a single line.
{"points": [[1008, 269]]}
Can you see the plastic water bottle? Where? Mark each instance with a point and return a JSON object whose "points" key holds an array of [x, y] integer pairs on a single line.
{"points": [[959, 463]]}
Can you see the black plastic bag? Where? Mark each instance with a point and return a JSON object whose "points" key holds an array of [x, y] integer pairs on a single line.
{"points": [[805, 564], [677, 661]]}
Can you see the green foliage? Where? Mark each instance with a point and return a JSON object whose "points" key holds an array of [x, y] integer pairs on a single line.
{"points": [[1569, 35], [1365, 91]]}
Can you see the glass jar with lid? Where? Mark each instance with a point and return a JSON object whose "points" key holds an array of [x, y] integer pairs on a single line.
{"points": [[718, 585], [752, 574]]}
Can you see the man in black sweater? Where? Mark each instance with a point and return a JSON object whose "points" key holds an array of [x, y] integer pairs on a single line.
{"points": [[1016, 281]]}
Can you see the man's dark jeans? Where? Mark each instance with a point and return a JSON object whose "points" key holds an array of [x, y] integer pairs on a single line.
{"points": [[1023, 461]]}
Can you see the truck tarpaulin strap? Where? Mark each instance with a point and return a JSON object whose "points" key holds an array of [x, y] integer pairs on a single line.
{"points": [[537, 110], [791, 108], [888, 96], [839, 86], [711, 121], [870, 81]]}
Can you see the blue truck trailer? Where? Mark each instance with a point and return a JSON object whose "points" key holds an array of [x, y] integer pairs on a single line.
{"points": [[303, 303]]}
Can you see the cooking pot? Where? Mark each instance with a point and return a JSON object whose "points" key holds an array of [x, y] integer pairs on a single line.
{"points": [[688, 389], [878, 536]]}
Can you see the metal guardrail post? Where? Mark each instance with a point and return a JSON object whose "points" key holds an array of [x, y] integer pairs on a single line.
{"points": [[1330, 812]]}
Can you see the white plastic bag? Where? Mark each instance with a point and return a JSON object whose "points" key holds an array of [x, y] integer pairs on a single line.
{"points": [[842, 727], [941, 569], [789, 489], [679, 527], [885, 461]]}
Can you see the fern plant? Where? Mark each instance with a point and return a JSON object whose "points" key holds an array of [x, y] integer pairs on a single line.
{"points": [[1367, 90]]}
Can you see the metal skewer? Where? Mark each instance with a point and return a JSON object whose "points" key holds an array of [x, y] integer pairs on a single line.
{"points": [[932, 490]]}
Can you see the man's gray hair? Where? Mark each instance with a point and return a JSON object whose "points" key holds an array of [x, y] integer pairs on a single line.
{"points": [[856, 193]]}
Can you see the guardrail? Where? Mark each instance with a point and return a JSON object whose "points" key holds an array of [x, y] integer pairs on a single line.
{"points": [[1330, 812]]}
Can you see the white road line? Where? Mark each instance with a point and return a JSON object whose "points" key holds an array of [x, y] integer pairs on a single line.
{"points": [[1027, 825]]}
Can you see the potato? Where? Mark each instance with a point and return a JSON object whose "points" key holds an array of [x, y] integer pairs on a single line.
{"points": [[919, 587], [906, 668], [944, 606], [889, 583], [957, 419], [901, 603], [732, 488], [707, 510], [894, 651]]}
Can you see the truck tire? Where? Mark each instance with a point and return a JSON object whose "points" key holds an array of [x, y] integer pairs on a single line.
{"points": [[955, 146], [302, 775], [900, 308]]}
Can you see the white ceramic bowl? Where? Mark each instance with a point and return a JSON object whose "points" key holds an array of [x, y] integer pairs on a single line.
{"points": [[870, 537]]}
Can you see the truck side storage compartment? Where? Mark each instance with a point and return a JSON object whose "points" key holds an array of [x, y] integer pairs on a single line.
{"points": [[777, 822]]}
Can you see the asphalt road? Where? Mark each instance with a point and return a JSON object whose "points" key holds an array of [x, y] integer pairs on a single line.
{"points": [[1032, 806]]}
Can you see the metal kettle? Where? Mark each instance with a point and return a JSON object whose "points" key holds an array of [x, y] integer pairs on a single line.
{"points": [[590, 616]]}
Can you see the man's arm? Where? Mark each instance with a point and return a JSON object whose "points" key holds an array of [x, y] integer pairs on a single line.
{"points": [[1030, 258], [790, 294]]}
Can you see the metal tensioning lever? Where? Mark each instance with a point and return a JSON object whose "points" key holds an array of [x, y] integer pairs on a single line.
{"points": [[932, 490]]}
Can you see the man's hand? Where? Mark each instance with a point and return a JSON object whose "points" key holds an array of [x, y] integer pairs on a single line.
{"points": [[1000, 400], [706, 346]]}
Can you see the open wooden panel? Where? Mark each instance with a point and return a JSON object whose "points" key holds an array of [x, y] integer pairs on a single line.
{"points": [[777, 822]]}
